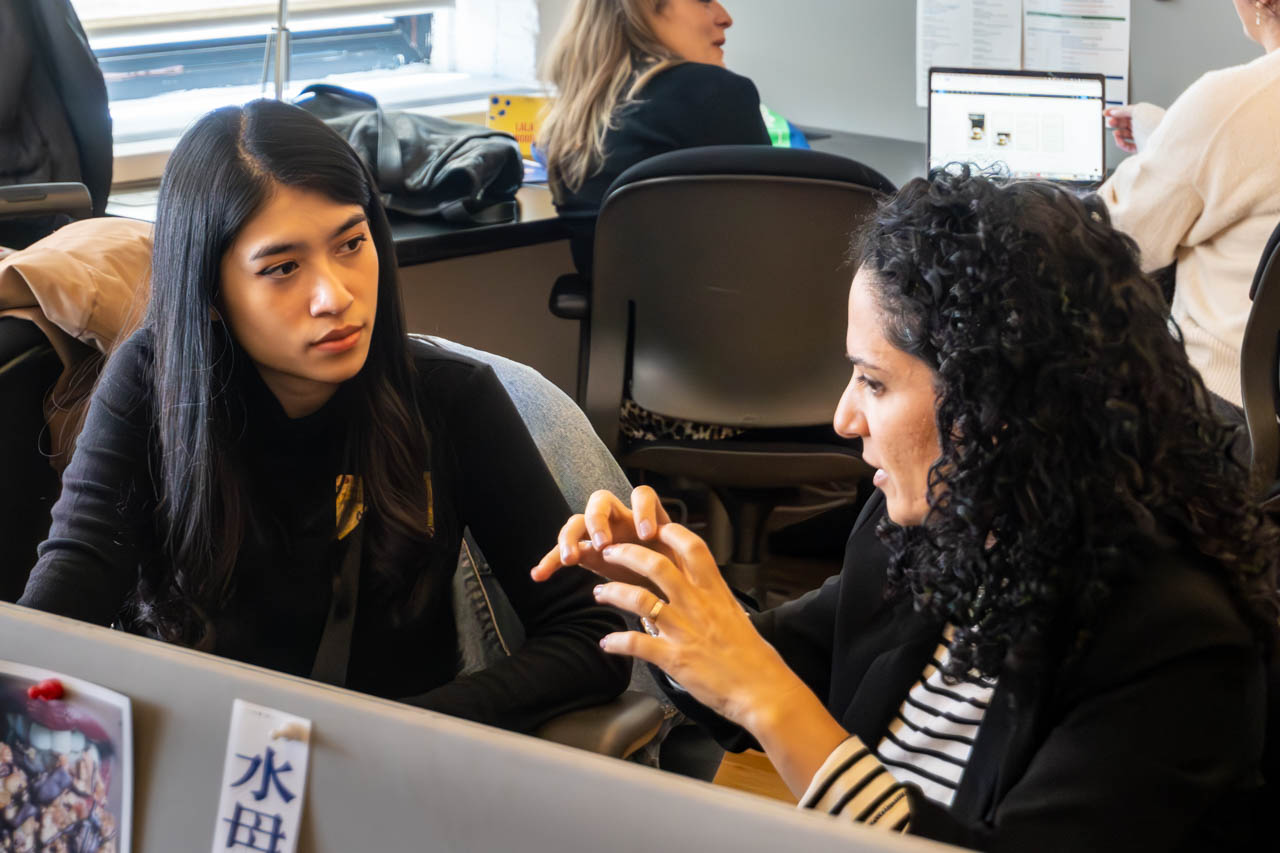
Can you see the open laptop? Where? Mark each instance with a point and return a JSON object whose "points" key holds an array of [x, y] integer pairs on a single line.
{"points": [[1028, 124]]}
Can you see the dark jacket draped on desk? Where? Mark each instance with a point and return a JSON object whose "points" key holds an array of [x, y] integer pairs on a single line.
{"points": [[486, 475], [1151, 741]]}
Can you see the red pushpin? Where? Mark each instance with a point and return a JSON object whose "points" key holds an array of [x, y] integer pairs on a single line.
{"points": [[50, 688]]}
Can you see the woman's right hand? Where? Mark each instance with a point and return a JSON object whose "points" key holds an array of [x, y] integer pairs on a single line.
{"points": [[1120, 120], [607, 521]]}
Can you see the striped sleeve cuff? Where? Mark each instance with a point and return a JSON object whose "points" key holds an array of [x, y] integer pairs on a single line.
{"points": [[853, 783]]}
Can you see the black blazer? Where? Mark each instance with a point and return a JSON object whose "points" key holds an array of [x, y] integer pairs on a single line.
{"points": [[689, 105], [1151, 742]]}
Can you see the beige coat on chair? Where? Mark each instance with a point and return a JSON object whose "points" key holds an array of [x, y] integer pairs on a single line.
{"points": [[85, 286]]}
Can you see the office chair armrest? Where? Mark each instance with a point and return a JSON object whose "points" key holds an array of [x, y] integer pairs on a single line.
{"points": [[31, 199], [571, 297], [617, 728]]}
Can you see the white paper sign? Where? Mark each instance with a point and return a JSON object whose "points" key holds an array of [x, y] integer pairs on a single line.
{"points": [[263, 780], [966, 34], [1090, 36]]}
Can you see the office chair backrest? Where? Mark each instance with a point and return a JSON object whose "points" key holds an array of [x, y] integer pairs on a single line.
{"points": [[720, 286], [1260, 390], [1260, 368]]}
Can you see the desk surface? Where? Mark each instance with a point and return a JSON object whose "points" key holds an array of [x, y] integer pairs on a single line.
{"points": [[421, 241]]}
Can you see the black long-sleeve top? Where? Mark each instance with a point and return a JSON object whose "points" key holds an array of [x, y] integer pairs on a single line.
{"points": [[485, 475], [689, 105]]}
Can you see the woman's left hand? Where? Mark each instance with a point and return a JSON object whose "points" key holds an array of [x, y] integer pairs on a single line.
{"points": [[704, 639]]}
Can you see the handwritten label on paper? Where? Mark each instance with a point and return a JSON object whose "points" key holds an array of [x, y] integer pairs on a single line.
{"points": [[263, 780]]}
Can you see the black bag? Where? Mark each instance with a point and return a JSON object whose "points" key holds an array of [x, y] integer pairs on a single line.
{"points": [[425, 166]]}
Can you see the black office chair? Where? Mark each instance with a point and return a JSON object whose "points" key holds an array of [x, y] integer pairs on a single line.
{"points": [[1260, 389], [718, 296], [28, 369], [1260, 371]]}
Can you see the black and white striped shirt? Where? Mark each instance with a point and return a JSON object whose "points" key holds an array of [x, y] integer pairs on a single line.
{"points": [[928, 745], [929, 741]]}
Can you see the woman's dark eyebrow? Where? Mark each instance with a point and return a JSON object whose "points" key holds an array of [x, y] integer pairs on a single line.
{"points": [[354, 220], [858, 361], [280, 248]]}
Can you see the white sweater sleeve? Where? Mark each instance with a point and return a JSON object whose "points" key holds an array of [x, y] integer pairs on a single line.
{"points": [[1146, 118], [1154, 195]]}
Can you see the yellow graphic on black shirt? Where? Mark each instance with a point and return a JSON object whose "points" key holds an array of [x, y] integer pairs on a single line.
{"points": [[349, 505]]}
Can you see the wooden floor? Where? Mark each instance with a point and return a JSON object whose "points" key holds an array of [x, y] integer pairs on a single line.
{"points": [[752, 772]]}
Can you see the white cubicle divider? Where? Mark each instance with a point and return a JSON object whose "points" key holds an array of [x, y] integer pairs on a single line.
{"points": [[388, 777]]}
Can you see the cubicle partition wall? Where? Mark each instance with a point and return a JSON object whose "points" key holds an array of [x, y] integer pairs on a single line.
{"points": [[387, 777]]}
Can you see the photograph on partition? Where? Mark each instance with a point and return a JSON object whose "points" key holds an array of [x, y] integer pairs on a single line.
{"points": [[66, 764]]}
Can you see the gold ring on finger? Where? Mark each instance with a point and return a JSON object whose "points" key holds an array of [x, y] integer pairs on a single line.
{"points": [[650, 622]]}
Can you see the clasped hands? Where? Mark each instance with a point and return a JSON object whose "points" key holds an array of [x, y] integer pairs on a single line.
{"points": [[704, 640]]}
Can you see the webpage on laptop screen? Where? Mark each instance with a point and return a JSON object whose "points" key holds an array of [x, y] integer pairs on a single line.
{"points": [[1034, 127]]}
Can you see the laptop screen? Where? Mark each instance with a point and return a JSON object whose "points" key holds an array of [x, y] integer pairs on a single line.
{"points": [[1034, 125]]}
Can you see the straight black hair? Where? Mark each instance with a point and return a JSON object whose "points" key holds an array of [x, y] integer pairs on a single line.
{"points": [[221, 172]]}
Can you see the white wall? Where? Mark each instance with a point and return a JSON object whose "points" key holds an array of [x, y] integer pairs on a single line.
{"points": [[551, 12], [849, 64], [840, 64]]}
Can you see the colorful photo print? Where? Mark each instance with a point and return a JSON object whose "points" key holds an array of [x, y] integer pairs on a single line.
{"points": [[66, 764]]}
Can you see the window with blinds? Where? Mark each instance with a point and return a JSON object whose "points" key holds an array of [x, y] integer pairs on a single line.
{"points": [[168, 61]]}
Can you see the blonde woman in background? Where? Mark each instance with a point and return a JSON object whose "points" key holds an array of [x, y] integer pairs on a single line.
{"points": [[634, 79], [637, 78], [1203, 191]]}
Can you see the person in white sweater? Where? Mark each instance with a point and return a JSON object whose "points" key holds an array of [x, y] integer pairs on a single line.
{"points": [[1203, 191]]}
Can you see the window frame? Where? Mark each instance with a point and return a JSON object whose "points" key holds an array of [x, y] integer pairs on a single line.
{"points": [[140, 162]]}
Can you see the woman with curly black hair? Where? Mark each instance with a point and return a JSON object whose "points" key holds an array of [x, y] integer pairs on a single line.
{"points": [[1052, 621]]}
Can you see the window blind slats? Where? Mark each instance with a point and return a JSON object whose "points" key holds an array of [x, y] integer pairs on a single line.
{"points": [[113, 17]]}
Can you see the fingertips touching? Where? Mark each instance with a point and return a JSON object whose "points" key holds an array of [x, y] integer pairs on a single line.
{"points": [[603, 509], [645, 505], [598, 530]]}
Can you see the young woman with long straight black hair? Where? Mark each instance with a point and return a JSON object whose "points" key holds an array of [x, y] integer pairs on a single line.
{"points": [[270, 450]]}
